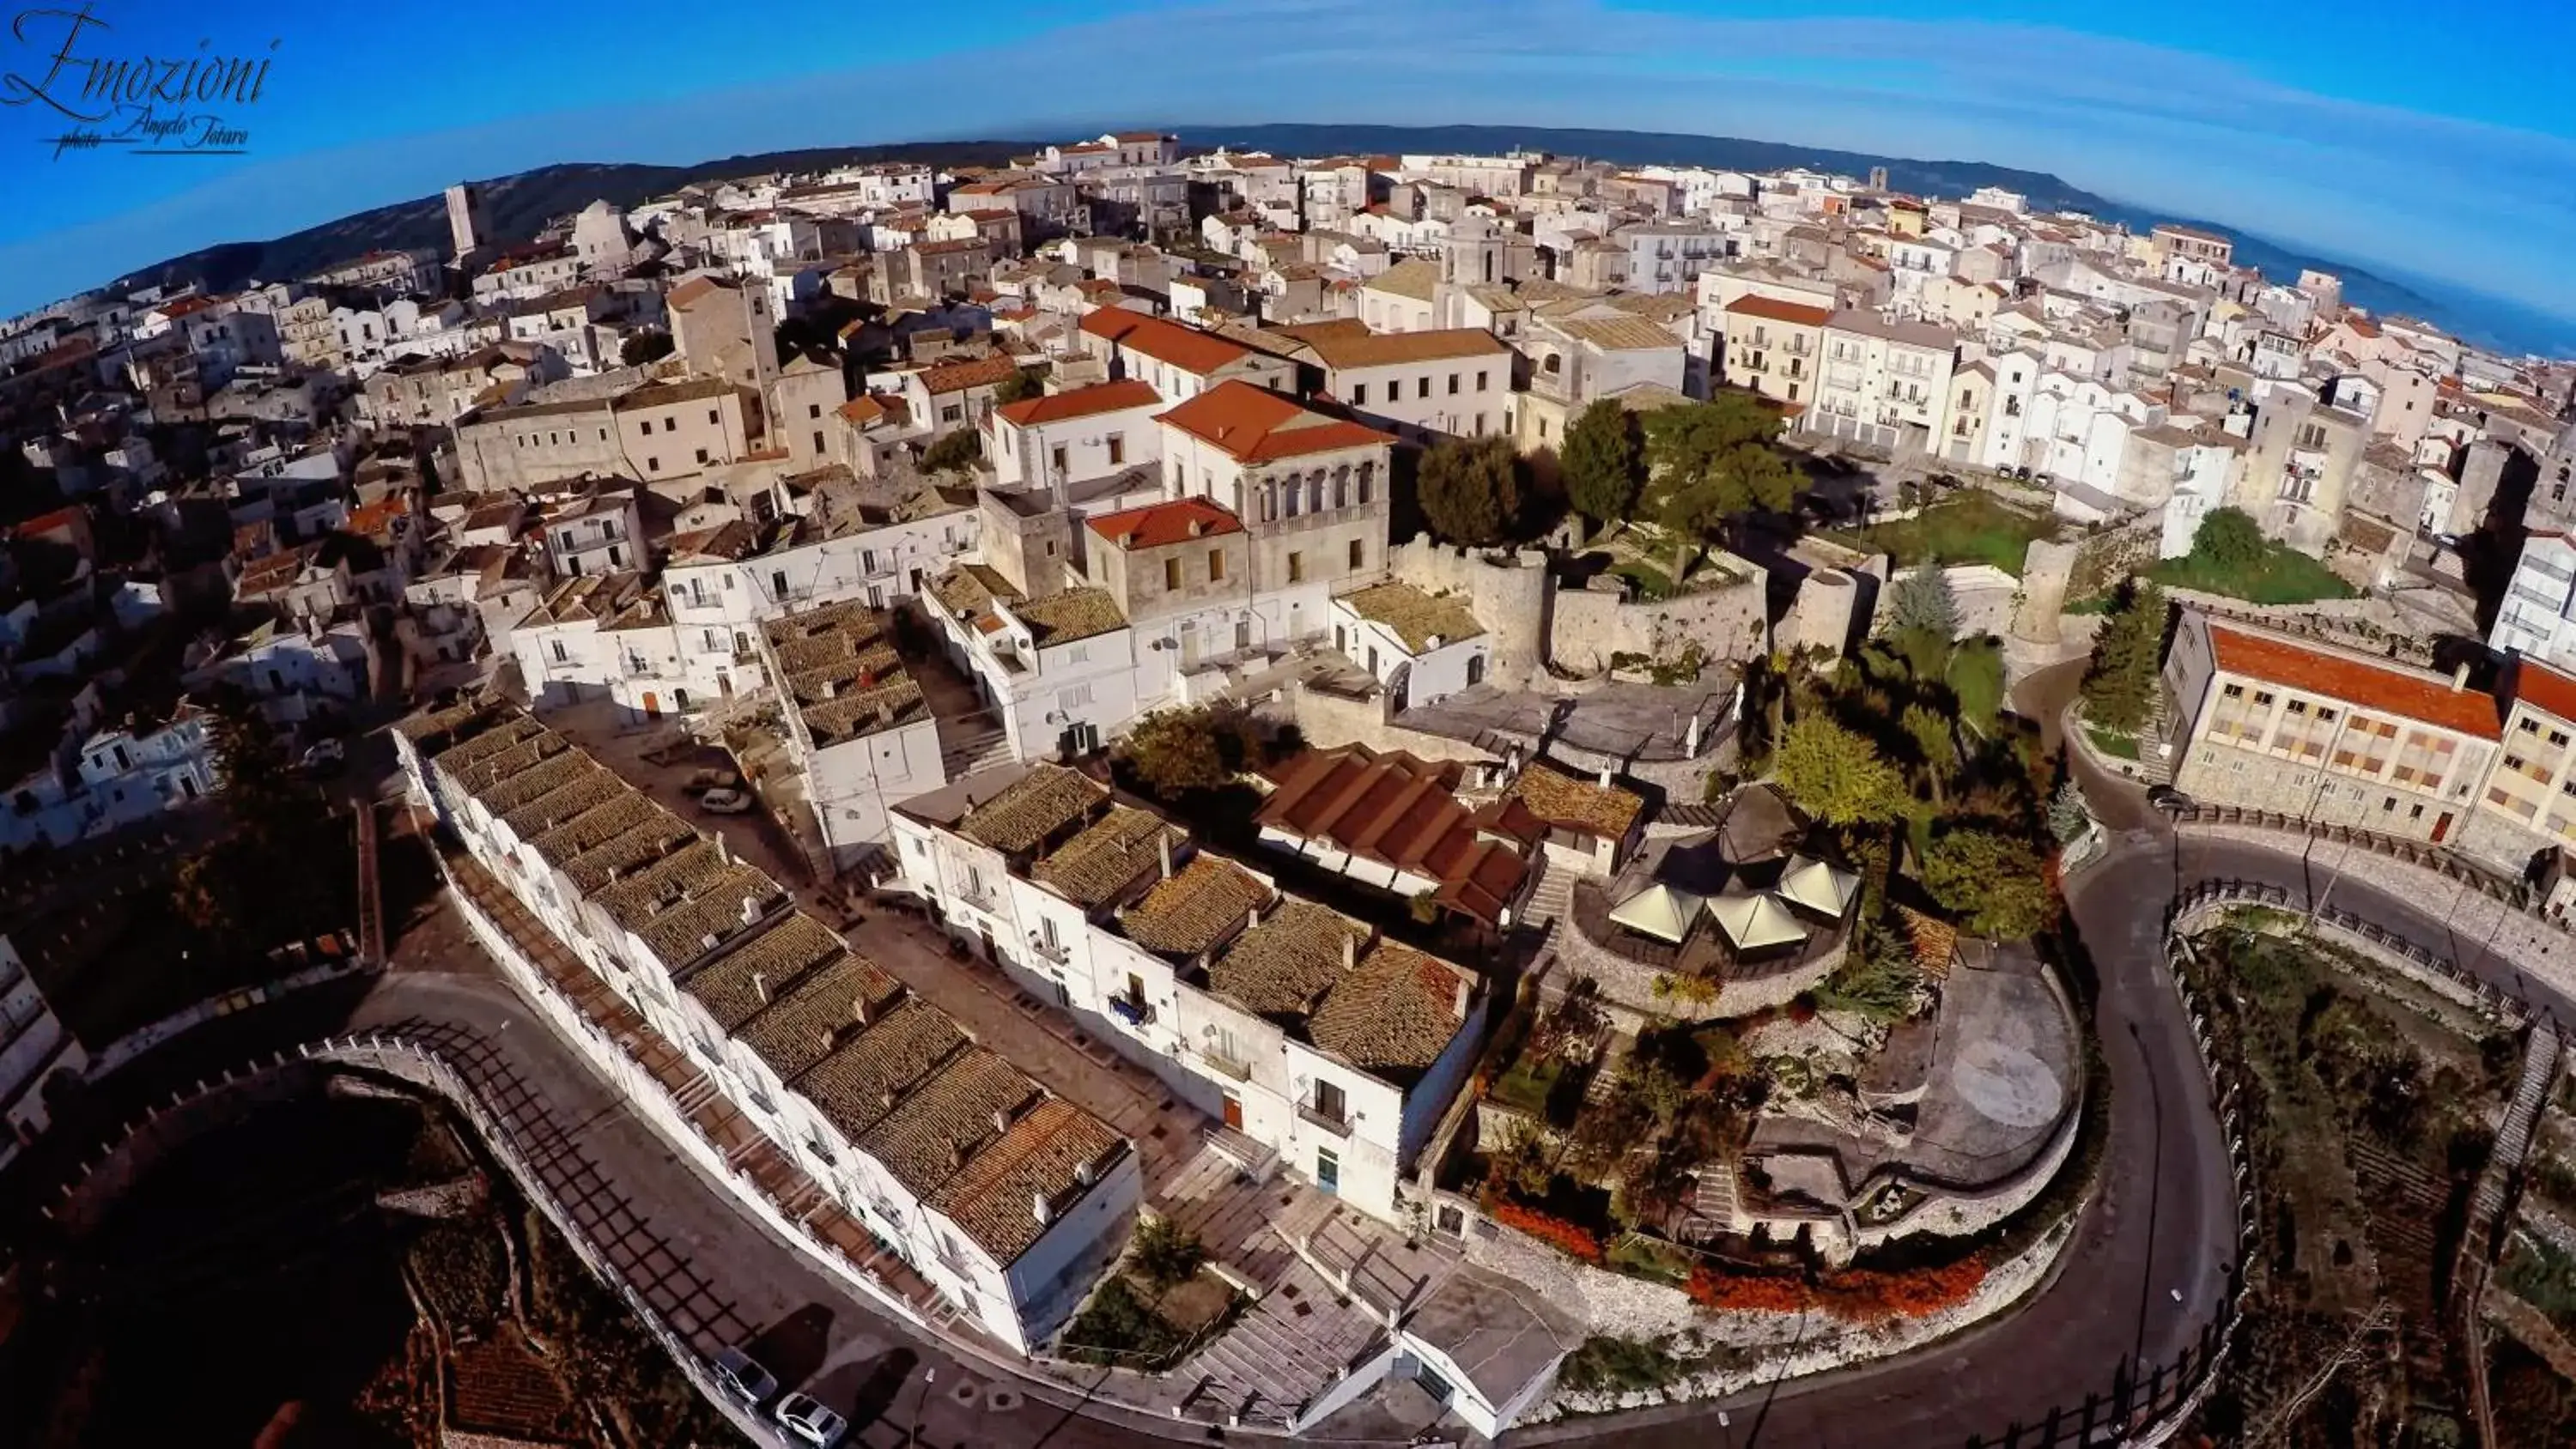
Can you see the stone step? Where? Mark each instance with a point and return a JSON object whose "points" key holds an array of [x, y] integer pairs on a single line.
{"points": [[1257, 1159]]}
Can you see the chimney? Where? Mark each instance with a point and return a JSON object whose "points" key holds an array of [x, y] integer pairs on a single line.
{"points": [[956, 1156], [1466, 994], [1605, 777], [1001, 1120], [750, 910], [1252, 919], [885, 714], [859, 1010], [831, 688], [829, 1038], [1350, 951], [2460, 677], [1039, 1205], [760, 987], [1085, 1174], [885, 1099], [724, 852], [1163, 839]]}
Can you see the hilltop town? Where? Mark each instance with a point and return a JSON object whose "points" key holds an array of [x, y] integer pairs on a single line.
{"points": [[1519, 694]]}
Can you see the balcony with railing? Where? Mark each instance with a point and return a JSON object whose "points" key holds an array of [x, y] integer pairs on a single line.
{"points": [[1134, 1010], [1333, 1120], [1224, 1065], [1044, 949]]}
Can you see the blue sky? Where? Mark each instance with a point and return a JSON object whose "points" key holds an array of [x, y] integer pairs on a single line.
{"points": [[2396, 135]]}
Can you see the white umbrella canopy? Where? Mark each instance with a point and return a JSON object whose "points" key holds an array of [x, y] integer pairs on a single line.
{"points": [[1754, 920], [1659, 911], [1819, 887]]}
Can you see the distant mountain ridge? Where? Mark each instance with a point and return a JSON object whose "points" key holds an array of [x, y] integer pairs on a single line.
{"points": [[518, 205]]}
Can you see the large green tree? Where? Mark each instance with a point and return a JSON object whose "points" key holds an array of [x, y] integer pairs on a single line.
{"points": [[1602, 463], [1176, 751], [1920, 598], [1470, 489], [2229, 538], [1837, 775], [271, 869], [1709, 466], [2120, 684], [955, 452], [1028, 382], [1996, 883]]}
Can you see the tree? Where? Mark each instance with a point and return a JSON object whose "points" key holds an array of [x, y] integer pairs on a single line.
{"points": [[1977, 677], [1922, 600], [1929, 729], [1167, 1253], [1996, 883], [2068, 816], [1175, 751], [1836, 775], [1470, 489], [644, 348], [1026, 383], [2229, 538], [1880, 981], [1602, 463], [955, 452], [2120, 684], [1710, 465]]}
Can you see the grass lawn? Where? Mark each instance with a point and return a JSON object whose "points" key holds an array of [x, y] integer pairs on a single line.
{"points": [[1650, 581], [1528, 1085], [2118, 747], [1642, 1257], [2282, 576], [1968, 527]]}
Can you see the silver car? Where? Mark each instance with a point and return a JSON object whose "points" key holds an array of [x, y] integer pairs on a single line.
{"points": [[810, 1421], [743, 1377]]}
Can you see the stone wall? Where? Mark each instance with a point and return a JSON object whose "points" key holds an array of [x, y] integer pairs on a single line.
{"points": [[1329, 721], [2047, 571], [1511, 599], [1730, 622]]}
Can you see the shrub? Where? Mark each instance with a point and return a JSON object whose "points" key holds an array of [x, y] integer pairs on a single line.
{"points": [[1572, 1239], [1167, 1253]]}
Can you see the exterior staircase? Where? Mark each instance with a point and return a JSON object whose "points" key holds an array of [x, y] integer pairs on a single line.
{"points": [[2155, 768], [1257, 1160], [973, 749], [2513, 1138], [1292, 1344], [1552, 897]]}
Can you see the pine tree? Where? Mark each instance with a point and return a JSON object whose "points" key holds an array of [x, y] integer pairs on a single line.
{"points": [[1922, 600], [1601, 463], [2120, 688], [2068, 817]]}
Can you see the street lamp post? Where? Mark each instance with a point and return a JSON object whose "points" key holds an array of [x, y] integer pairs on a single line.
{"points": [[921, 1402]]}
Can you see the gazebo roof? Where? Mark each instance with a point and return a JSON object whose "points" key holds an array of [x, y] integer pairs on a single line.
{"points": [[1819, 887], [1659, 911], [1755, 920]]}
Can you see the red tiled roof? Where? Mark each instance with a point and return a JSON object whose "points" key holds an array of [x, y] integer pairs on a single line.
{"points": [[2543, 688], [690, 291], [1774, 310], [1186, 348], [975, 372], [1158, 524], [1082, 402], [2366, 686], [1255, 425], [1398, 809]]}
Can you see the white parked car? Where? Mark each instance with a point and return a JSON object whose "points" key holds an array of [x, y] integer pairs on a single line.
{"points": [[810, 1421], [325, 756], [725, 802]]}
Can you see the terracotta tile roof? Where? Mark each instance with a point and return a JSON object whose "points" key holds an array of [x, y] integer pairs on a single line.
{"points": [[1052, 1152], [1102, 861], [932, 1134], [1032, 810], [969, 589], [974, 372], [1774, 310], [861, 410], [690, 291], [1157, 525], [1395, 1014], [816, 1023], [719, 906], [2428, 698], [1413, 277], [1255, 425], [1573, 803], [647, 839], [741, 983], [1202, 904], [1397, 810], [586, 790], [1416, 617], [1082, 402], [1069, 616], [1186, 348], [1619, 334], [1339, 347], [2531, 682], [843, 674], [1281, 968]]}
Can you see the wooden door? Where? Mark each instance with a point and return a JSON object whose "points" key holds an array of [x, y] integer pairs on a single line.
{"points": [[1233, 1112]]}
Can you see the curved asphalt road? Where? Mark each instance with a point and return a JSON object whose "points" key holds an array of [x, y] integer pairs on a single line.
{"points": [[2143, 1275]]}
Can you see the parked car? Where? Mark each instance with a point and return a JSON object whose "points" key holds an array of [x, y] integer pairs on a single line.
{"points": [[742, 1376], [2166, 797], [701, 781], [324, 756], [810, 1421], [725, 802]]}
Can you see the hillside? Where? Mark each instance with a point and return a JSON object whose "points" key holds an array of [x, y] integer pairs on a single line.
{"points": [[519, 205]]}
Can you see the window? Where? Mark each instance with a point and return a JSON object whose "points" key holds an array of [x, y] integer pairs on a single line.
{"points": [[670, 425], [1359, 554], [1422, 387], [714, 418], [1480, 379], [813, 410], [1359, 394], [560, 656], [1296, 568], [1117, 450], [652, 465], [1453, 384], [818, 442], [1216, 565], [1056, 459], [645, 427], [1171, 573], [1330, 1103], [2263, 698], [702, 456], [1072, 699]]}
